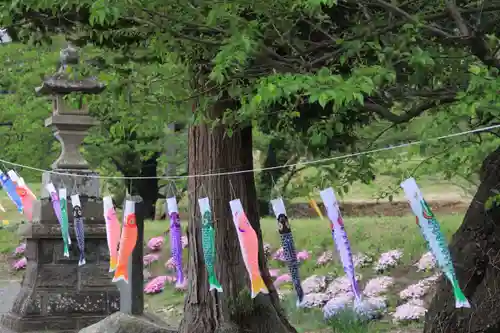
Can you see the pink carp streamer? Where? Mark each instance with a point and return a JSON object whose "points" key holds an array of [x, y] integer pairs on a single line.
{"points": [[176, 238], [340, 238]]}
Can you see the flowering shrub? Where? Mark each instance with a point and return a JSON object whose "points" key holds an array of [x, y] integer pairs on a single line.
{"points": [[361, 260], [156, 243], [411, 311], [182, 286], [314, 284], [426, 263], [340, 286], [274, 272], [148, 259], [170, 264], [378, 285], [267, 250], [19, 251], [419, 289], [302, 255], [314, 300], [282, 279], [279, 255], [324, 258], [20, 264], [156, 285], [388, 260]]}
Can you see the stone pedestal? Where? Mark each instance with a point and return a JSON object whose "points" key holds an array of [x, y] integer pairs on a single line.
{"points": [[56, 294]]}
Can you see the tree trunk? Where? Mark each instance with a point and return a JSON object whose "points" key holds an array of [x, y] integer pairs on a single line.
{"points": [[269, 178], [233, 310], [475, 248], [146, 188]]}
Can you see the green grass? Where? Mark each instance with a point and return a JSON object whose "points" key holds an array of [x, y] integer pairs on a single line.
{"points": [[371, 235]]}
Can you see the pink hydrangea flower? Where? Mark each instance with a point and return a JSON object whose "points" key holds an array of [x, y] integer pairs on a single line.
{"points": [[285, 278], [184, 241], [156, 243], [20, 249], [302, 255], [156, 285], [274, 272], [279, 255], [20, 264], [170, 264], [148, 259], [171, 278]]}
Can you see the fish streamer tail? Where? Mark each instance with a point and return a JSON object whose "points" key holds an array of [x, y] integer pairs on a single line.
{"points": [[112, 264], [82, 261], [214, 283], [121, 274], [258, 285], [460, 299]]}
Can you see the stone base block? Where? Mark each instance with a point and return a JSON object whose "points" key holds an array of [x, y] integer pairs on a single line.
{"points": [[86, 183], [12, 323]]}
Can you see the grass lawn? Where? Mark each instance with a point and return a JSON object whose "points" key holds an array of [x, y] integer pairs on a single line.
{"points": [[367, 234]]}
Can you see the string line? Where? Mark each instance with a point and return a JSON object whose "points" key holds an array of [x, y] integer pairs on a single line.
{"points": [[283, 166]]}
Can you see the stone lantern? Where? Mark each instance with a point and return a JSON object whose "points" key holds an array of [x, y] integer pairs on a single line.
{"points": [[56, 294]]}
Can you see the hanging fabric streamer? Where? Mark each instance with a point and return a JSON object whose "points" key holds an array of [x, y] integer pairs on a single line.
{"points": [[249, 245], [429, 227], [315, 206], [288, 245], [113, 231], [78, 224], [27, 197], [127, 242], [2, 209], [340, 238], [9, 187], [208, 242], [56, 205], [64, 220], [175, 238]]}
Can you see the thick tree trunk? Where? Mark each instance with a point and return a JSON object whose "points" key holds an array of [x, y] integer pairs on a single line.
{"points": [[233, 310], [475, 248], [146, 188]]}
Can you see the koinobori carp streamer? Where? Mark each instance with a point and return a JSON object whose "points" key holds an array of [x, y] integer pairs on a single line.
{"points": [[288, 245], [208, 243], [113, 231], [56, 205], [127, 242], [9, 187], [27, 197], [431, 231], [176, 238], [341, 240], [63, 198], [78, 224], [249, 245]]}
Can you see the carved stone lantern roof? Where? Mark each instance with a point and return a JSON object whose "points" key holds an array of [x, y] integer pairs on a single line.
{"points": [[61, 84]]}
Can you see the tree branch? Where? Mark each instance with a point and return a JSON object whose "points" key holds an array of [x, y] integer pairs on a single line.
{"points": [[416, 111]]}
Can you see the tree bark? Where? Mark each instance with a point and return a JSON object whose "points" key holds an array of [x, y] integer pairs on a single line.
{"points": [[475, 248], [146, 188], [233, 310]]}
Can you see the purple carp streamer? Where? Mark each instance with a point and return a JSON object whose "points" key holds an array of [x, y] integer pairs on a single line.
{"points": [[78, 221], [340, 238], [429, 227], [288, 245], [175, 238]]}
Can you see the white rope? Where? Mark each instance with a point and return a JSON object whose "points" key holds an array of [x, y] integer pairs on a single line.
{"points": [[310, 162]]}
